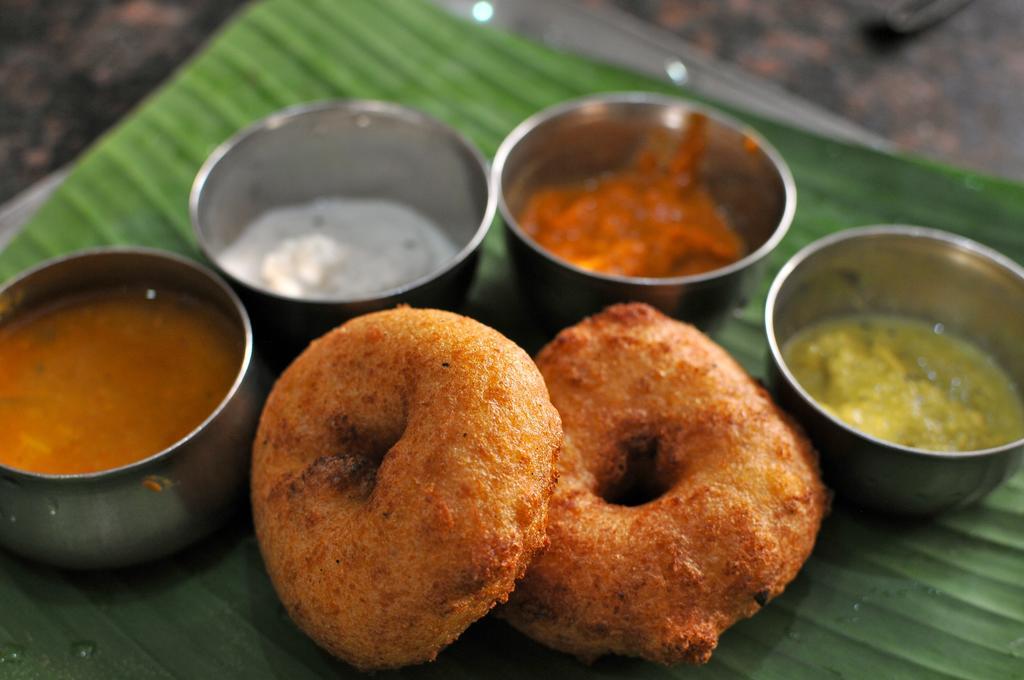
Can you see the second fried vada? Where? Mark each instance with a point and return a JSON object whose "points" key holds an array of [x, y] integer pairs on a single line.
{"points": [[686, 499], [400, 482]]}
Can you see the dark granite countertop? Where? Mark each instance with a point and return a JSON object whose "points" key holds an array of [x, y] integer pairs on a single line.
{"points": [[69, 70], [954, 91]]}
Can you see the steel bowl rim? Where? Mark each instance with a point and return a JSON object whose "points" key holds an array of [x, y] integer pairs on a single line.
{"points": [[961, 243], [527, 126], [243, 370], [368, 106]]}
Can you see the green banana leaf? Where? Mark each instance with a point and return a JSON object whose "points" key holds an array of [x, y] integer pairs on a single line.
{"points": [[879, 597]]}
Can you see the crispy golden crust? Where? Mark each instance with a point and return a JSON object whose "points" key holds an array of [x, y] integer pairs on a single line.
{"points": [[400, 481], [653, 405]]}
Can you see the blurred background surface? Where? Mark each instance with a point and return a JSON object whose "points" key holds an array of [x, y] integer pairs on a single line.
{"points": [[955, 91]]}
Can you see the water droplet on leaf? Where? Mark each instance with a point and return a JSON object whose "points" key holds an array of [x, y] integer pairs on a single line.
{"points": [[83, 649], [11, 653]]}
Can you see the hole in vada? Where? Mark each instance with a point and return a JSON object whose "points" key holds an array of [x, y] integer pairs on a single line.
{"points": [[638, 480], [359, 452], [352, 476]]}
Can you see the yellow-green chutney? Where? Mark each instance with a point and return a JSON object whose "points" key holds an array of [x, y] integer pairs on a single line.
{"points": [[907, 381]]}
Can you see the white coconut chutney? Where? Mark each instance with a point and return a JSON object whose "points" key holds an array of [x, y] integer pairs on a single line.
{"points": [[337, 248]]}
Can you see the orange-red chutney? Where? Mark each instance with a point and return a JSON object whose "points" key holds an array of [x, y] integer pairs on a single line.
{"points": [[103, 379], [653, 219]]}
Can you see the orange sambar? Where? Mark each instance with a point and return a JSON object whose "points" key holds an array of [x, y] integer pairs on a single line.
{"points": [[103, 379]]}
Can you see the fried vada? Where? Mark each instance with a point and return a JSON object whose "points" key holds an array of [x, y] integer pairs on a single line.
{"points": [[686, 498], [400, 482]]}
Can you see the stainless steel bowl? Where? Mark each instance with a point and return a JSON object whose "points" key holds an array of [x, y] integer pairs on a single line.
{"points": [[157, 505], [355, 149], [972, 290], [583, 138]]}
